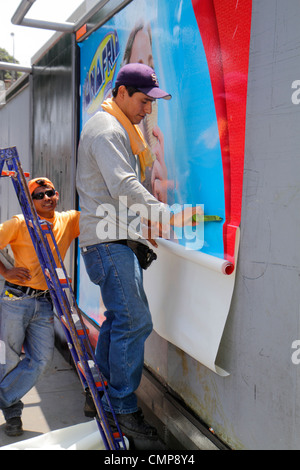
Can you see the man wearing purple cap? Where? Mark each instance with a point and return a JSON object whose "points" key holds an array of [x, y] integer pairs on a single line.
{"points": [[112, 158], [143, 78]]}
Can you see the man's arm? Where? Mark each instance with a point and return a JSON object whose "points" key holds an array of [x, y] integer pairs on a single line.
{"points": [[22, 274], [121, 179], [8, 231]]}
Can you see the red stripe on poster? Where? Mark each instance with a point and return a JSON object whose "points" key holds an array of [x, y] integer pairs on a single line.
{"points": [[225, 29]]}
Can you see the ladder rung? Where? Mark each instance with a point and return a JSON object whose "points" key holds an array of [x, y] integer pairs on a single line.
{"points": [[119, 439], [46, 225], [8, 173], [13, 173], [62, 279], [97, 379], [78, 326], [64, 284]]}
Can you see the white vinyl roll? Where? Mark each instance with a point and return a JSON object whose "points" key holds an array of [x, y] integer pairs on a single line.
{"points": [[189, 294], [203, 259]]}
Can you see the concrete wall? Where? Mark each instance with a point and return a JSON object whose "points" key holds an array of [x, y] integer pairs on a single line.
{"points": [[257, 406]]}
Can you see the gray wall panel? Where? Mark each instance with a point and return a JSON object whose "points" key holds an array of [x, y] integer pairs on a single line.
{"points": [[53, 119], [15, 131], [53, 131]]}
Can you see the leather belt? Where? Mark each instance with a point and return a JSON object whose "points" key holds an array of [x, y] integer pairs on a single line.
{"points": [[27, 290]]}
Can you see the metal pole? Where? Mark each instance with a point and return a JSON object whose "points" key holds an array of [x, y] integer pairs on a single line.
{"points": [[15, 67], [13, 39], [21, 11], [63, 27]]}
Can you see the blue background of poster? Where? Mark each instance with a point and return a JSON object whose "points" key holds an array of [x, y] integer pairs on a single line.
{"points": [[188, 121]]}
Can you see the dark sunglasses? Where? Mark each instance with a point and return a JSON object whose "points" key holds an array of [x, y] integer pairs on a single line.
{"points": [[40, 196]]}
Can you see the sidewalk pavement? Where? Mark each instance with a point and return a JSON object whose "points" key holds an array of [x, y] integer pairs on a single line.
{"points": [[55, 402]]}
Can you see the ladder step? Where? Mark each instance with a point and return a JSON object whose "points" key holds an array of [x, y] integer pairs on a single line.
{"points": [[78, 325], [119, 439], [96, 377], [62, 278], [13, 173], [46, 226]]}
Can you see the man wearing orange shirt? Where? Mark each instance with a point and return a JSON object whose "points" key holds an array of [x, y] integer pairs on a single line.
{"points": [[26, 310]]}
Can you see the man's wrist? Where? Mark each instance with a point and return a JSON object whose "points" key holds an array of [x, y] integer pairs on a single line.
{"points": [[3, 269]]}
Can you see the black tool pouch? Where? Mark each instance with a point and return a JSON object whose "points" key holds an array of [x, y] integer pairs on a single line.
{"points": [[143, 253]]}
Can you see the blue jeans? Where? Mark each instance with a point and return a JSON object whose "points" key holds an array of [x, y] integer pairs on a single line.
{"points": [[24, 322], [120, 348]]}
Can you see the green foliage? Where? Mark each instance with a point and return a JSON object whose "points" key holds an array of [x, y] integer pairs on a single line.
{"points": [[8, 74]]}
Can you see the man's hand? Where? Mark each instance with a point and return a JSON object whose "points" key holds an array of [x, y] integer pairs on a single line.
{"points": [[16, 274], [190, 216], [187, 217]]}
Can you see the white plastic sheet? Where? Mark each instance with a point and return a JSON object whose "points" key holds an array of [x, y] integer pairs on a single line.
{"points": [[190, 295], [83, 436]]}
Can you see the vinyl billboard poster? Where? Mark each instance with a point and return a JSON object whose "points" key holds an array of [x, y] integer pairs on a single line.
{"points": [[200, 51]]}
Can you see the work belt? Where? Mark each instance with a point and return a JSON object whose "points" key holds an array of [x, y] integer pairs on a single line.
{"points": [[144, 254], [28, 290]]}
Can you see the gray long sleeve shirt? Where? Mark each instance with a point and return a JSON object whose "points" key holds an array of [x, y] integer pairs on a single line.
{"points": [[111, 196]]}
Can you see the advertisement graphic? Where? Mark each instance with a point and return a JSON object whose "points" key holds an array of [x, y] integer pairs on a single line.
{"points": [[99, 78], [200, 52], [182, 133]]}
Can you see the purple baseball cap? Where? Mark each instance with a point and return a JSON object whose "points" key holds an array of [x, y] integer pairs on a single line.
{"points": [[143, 78]]}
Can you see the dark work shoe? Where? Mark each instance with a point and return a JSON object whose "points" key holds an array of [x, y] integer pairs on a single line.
{"points": [[14, 427], [134, 425]]}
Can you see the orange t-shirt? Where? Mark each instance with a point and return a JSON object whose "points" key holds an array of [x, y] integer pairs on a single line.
{"points": [[14, 232]]}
